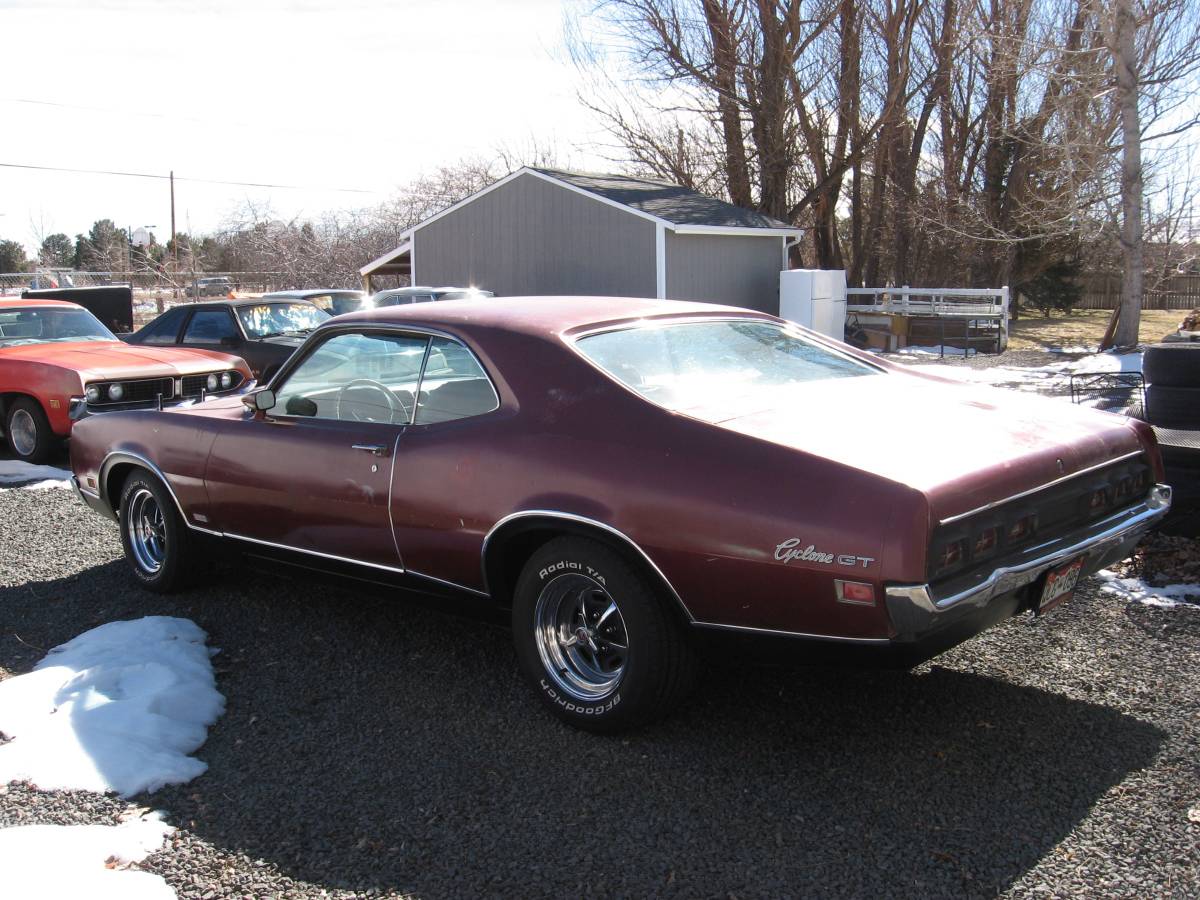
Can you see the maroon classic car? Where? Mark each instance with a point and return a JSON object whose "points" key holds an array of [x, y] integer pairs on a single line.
{"points": [[625, 474]]}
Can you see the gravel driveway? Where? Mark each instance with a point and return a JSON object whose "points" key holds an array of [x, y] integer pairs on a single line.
{"points": [[378, 748]]}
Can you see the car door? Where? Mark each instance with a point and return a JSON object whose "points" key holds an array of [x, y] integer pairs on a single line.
{"points": [[313, 473], [212, 329]]}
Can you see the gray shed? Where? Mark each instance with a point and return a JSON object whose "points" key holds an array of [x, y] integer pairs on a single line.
{"points": [[545, 231]]}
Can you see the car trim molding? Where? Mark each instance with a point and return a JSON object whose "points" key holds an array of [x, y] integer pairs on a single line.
{"points": [[453, 584], [793, 634], [950, 520], [344, 559], [581, 520]]}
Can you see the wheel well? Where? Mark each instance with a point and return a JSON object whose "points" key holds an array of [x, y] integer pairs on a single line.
{"points": [[9, 396], [114, 482], [510, 548]]}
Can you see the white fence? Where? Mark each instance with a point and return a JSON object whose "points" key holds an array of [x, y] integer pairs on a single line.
{"points": [[967, 303]]}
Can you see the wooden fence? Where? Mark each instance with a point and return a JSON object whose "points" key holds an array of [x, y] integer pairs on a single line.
{"points": [[1176, 292]]}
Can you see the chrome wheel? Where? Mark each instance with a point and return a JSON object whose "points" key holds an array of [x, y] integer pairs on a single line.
{"points": [[147, 530], [580, 636], [23, 432]]}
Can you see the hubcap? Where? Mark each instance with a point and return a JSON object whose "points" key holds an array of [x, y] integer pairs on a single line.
{"points": [[24, 432], [581, 637], [147, 531]]}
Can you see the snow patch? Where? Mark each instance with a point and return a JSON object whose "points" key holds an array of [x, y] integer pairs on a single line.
{"points": [[69, 861], [16, 472], [1134, 590], [118, 708], [938, 351], [1108, 362]]}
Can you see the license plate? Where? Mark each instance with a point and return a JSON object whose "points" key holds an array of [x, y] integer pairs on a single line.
{"points": [[1059, 585]]}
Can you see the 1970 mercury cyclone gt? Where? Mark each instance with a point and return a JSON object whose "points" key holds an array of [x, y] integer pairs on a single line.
{"points": [[622, 474]]}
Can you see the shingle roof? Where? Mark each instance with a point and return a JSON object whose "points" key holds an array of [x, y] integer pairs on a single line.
{"points": [[671, 202]]}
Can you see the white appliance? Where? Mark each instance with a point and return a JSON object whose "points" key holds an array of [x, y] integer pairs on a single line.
{"points": [[814, 298]]}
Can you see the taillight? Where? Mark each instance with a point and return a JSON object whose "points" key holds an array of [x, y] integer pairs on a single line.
{"points": [[985, 542], [952, 554], [1021, 528]]}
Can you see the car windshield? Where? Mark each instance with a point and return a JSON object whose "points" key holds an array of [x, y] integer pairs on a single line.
{"points": [[270, 319], [46, 324], [710, 365]]}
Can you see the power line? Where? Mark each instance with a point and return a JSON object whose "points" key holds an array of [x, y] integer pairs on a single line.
{"points": [[255, 184]]}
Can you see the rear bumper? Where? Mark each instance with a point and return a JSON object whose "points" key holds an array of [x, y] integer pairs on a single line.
{"points": [[947, 614]]}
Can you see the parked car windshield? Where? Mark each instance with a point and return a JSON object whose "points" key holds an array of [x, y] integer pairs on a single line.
{"points": [[269, 319], [44, 324], [688, 365]]}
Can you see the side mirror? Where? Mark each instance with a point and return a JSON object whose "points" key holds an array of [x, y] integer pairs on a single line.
{"points": [[259, 401]]}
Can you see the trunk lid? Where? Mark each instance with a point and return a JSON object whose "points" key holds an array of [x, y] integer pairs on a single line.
{"points": [[962, 446]]}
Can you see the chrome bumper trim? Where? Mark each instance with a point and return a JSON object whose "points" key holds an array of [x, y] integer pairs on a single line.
{"points": [[916, 608]]}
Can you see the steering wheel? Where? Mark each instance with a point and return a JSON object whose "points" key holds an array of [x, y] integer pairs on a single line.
{"points": [[393, 403]]}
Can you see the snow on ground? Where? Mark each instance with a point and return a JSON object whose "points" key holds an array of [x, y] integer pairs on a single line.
{"points": [[938, 351], [118, 708], [1134, 590], [1054, 378], [66, 862], [14, 472]]}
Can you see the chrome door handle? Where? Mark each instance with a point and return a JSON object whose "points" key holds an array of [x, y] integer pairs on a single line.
{"points": [[373, 449]]}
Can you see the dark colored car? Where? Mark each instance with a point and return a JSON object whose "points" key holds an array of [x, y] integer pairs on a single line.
{"points": [[215, 286], [262, 332], [334, 301], [622, 475]]}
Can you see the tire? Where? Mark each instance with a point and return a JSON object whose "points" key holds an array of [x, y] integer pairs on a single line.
{"points": [[1172, 365], [158, 546], [1173, 407], [27, 431], [605, 685]]}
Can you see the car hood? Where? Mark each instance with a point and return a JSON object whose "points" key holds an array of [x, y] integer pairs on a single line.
{"points": [[963, 446], [117, 360]]}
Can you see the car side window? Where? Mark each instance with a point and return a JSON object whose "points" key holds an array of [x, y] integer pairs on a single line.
{"points": [[209, 326], [454, 385], [356, 377], [165, 328]]}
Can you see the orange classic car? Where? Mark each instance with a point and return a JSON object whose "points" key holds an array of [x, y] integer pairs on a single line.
{"points": [[59, 364]]}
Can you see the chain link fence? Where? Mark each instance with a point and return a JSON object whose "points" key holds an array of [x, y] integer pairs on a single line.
{"points": [[185, 284]]}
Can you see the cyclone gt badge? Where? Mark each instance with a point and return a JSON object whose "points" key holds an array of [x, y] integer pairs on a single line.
{"points": [[793, 550]]}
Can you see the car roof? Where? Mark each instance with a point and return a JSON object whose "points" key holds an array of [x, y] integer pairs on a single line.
{"points": [[540, 316], [17, 302], [239, 301], [308, 292]]}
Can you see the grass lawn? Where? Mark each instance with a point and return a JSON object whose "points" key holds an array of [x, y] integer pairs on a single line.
{"points": [[1084, 328]]}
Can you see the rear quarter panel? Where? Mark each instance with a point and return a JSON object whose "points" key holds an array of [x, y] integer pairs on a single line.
{"points": [[710, 507]]}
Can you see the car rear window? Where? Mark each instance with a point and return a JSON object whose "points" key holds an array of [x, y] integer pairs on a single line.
{"points": [[687, 365]]}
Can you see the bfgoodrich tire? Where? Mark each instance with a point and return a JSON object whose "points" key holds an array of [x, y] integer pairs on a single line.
{"points": [[159, 548], [597, 639], [1172, 365], [1173, 407]]}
